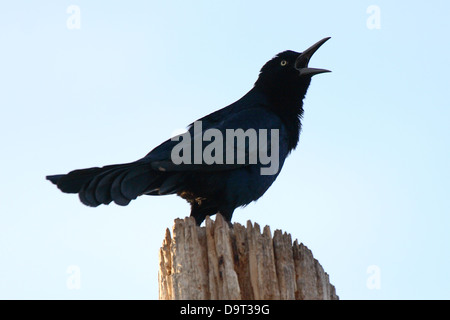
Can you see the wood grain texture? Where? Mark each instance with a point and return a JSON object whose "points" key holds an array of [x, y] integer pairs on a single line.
{"points": [[219, 262]]}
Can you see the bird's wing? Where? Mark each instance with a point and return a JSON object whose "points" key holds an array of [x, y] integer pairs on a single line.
{"points": [[210, 143]]}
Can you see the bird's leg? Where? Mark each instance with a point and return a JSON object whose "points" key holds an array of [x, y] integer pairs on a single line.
{"points": [[226, 213], [199, 210]]}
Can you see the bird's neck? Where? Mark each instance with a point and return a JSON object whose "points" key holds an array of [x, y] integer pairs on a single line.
{"points": [[289, 107], [291, 116]]}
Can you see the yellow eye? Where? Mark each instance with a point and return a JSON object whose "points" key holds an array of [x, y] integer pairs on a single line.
{"points": [[283, 63]]}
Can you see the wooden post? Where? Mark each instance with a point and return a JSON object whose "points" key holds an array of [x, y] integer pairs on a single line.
{"points": [[219, 262]]}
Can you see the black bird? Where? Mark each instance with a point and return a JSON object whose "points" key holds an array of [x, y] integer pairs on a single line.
{"points": [[275, 103]]}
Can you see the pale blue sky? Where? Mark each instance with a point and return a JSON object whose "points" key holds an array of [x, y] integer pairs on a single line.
{"points": [[368, 184]]}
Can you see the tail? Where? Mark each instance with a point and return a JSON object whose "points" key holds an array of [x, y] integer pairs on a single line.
{"points": [[120, 183]]}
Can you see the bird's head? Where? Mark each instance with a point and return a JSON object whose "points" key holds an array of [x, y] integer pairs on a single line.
{"points": [[287, 75]]}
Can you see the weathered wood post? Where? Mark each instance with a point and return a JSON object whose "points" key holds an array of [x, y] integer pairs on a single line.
{"points": [[219, 262]]}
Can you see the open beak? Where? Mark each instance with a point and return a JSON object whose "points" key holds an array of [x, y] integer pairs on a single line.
{"points": [[301, 64]]}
